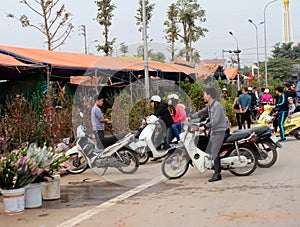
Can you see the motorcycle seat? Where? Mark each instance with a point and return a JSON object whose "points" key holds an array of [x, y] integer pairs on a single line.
{"points": [[257, 130], [110, 140], [294, 115], [237, 136]]}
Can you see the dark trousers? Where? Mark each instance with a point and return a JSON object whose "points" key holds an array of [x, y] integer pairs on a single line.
{"points": [[246, 117], [99, 134], [281, 118], [275, 123], [239, 120]]}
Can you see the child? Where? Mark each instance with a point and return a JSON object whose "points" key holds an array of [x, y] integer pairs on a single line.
{"points": [[292, 108]]}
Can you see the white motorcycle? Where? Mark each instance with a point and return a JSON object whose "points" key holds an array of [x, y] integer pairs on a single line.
{"points": [[112, 153], [150, 142], [238, 154]]}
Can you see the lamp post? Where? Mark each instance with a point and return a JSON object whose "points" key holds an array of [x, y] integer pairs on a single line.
{"points": [[256, 34], [237, 52], [265, 38], [94, 41]]}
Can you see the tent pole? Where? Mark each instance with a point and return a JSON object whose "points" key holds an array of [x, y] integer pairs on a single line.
{"points": [[48, 77]]}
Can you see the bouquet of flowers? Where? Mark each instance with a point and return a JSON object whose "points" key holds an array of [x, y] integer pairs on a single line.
{"points": [[57, 163], [28, 165]]}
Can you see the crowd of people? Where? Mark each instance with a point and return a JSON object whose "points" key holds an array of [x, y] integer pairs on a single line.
{"points": [[245, 105], [248, 100]]}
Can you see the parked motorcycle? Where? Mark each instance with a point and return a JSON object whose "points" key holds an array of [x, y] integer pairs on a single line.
{"points": [[112, 153], [150, 140], [291, 125], [238, 154], [266, 144]]}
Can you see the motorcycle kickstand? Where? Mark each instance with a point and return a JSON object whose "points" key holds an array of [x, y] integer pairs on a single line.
{"points": [[104, 171]]}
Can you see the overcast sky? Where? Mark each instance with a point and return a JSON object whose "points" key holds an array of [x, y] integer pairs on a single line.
{"points": [[222, 17]]}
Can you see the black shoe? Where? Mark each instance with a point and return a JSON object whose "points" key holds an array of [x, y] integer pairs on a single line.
{"points": [[215, 177]]}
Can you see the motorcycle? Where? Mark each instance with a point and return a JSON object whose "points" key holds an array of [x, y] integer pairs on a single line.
{"points": [[150, 140], [112, 153], [291, 125], [238, 154], [266, 144]]}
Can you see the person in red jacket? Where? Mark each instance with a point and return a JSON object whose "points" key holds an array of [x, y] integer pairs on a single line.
{"points": [[178, 115]]}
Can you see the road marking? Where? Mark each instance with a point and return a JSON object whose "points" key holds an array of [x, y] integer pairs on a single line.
{"points": [[111, 202]]}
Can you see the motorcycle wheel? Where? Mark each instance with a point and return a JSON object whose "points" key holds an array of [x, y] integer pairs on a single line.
{"points": [[128, 161], [250, 155], [297, 135], [175, 164], [143, 158], [268, 153], [77, 164]]}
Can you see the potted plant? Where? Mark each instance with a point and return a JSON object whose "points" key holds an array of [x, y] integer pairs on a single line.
{"points": [[26, 168], [51, 176], [17, 170]]}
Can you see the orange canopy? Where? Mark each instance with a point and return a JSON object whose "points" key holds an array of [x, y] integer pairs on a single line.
{"points": [[7, 60], [231, 73], [83, 61]]}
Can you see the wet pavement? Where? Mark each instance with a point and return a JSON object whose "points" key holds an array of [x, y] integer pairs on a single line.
{"points": [[84, 193]]}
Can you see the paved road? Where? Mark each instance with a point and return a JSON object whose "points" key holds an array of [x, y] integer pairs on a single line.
{"points": [[269, 197]]}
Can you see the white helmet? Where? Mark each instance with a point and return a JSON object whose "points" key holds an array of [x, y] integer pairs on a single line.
{"points": [[155, 98], [173, 96]]}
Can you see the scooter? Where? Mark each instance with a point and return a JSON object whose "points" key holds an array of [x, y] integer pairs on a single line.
{"points": [[111, 153], [291, 125], [150, 141], [238, 155]]}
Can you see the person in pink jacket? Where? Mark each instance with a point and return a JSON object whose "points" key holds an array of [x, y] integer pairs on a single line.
{"points": [[178, 115], [266, 97]]}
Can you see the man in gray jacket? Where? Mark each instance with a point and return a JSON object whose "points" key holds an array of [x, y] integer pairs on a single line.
{"points": [[217, 126]]}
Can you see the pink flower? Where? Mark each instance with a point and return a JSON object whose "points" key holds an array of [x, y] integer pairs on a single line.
{"points": [[22, 160]]}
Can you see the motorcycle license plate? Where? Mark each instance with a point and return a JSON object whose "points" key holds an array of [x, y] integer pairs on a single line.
{"points": [[274, 139]]}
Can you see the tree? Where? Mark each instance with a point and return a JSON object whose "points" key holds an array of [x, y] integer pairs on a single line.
{"points": [[104, 18], [139, 14], [284, 56], [55, 21], [181, 54], [123, 48], [172, 29], [159, 56], [190, 14]]}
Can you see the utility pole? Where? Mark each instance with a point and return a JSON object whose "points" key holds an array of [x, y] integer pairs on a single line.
{"points": [[145, 37], [83, 29], [237, 52]]}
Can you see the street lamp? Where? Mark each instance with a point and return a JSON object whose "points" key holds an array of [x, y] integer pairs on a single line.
{"points": [[237, 52], [265, 35], [256, 34], [94, 41]]}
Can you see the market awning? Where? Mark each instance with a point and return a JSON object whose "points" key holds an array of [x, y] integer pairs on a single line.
{"points": [[12, 69]]}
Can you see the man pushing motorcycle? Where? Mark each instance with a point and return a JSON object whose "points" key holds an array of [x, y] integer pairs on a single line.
{"points": [[216, 126]]}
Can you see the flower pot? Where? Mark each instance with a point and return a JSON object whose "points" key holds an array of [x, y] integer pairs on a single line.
{"points": [[13, 201], [33, 195], [51, 188]]}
